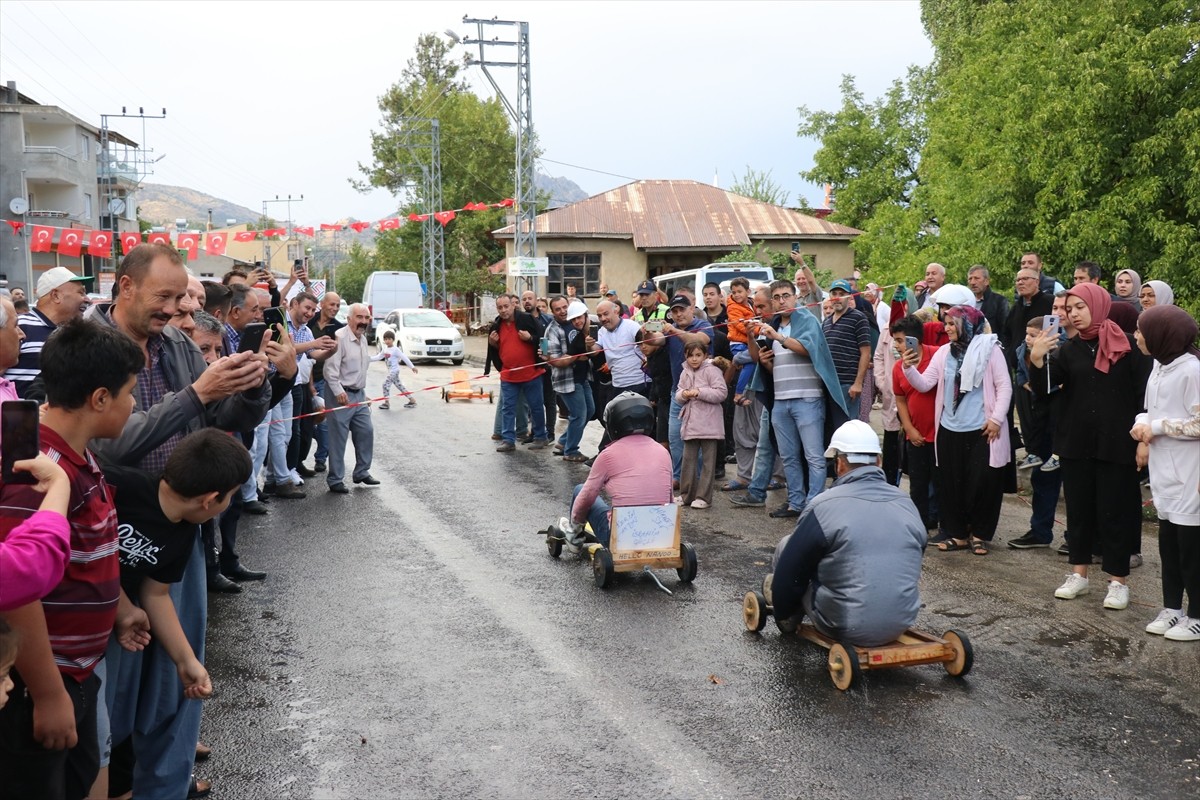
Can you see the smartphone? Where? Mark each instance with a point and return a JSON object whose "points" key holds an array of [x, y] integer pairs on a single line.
{"points": [[273, 316], [795, 247], [1051, 322], [912, 343], [252, 337], [19, 421], [654, 325]]}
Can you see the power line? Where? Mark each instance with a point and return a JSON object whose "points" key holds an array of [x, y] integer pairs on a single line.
{"points": [[587, 169]]}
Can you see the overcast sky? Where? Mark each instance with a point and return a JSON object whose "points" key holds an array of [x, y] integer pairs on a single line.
{"points": [[272, 98]]}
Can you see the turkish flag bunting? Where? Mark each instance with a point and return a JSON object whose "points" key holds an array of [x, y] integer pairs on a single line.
{"points": [[130, 240], [388, 224], [269, 232], [100, 244], [41, 238], [214, 244], [159, 237], [245, 236], [305, 231], [505, 203], [476, 207], [444, 217], [328, 227], [16, 225], [70, 242], [189, 242], [418, 217], [359, 227]]}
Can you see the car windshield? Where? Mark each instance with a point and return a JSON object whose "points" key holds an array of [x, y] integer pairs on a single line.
{"points": [[427, 319], [720, 276]]}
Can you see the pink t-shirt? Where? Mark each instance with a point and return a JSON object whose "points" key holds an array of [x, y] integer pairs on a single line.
{"points": [[33, 559], [634, 470]]}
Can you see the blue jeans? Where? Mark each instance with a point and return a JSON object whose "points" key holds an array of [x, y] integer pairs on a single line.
{"points": [[522, 415], [531, 390], [675, 436], [581, 405], [258, 455], [597, 516], [764, 459], [349, 423], [279, 434], [800, 430]]}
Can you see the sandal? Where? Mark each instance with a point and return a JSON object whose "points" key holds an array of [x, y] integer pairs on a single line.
{"points": [[980, 547], [733, 486], [950, 545]]}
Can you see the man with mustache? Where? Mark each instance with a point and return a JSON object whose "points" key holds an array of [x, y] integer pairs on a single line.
{"points": [[345, 384]]}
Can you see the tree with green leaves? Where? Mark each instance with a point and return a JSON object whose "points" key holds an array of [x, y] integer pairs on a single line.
{"points": [[759, 185], [350, 276]]}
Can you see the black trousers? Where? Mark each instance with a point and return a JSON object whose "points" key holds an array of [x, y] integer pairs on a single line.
{"points": [[1179, 547], [1104, 505], [891, 456], [28, 770], [920, 478], [969, 491]]}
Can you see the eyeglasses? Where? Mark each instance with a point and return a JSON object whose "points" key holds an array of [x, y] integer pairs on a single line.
{"points": [[781, 297]]}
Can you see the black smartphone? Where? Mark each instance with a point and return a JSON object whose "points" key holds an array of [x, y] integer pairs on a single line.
{"points": [[795, 247], [252, 337], [19, 421], [273, 316]]}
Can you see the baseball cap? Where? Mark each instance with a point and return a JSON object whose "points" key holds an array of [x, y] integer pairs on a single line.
{"points": [[647, 287], [954, 294], [577, 308], [611, 293], [857, 441], [55, 277], [680, 300], [843, 284]]}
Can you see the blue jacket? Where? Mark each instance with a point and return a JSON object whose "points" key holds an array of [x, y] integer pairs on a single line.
{"points": [[856, 552]]}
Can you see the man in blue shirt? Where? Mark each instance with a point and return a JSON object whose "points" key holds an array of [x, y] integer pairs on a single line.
{"points": [[683, 328]]}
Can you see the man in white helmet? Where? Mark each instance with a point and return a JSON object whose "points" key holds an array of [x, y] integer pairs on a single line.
{"points": [[853, 561]]}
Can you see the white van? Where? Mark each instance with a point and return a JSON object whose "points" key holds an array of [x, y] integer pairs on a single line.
{"points": [[387, 290], [694, 279]]}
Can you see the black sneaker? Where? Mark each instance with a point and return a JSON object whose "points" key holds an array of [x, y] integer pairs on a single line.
{"points": [[747, 501], [1064, 549], [784, 512], [319, 466], [1026, 542]]}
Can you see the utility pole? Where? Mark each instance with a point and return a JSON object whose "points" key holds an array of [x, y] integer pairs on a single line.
{"points": [[111, 206], [433, 242], [266, 239], [525, 241]]}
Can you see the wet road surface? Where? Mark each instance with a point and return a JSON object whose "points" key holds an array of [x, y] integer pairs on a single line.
{"points": [[416, 640]]}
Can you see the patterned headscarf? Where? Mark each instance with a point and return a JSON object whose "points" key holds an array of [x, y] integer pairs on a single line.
{"points": [[971, 349], [1112, 342], [969, 321]]}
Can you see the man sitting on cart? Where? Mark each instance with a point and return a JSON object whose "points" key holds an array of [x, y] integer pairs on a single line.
{"points": [[852, 563], [634, 470]]}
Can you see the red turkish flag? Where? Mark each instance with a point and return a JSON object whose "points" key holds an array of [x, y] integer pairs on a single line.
{"points": [[269, 232], [359, 227], [16, 225], [214, 244], [130, 240], [389, 224], [245, 236], [100, 244], [159, 237], [444, 217], [70, 242], [306, 231], [505, 203], [189, 242], [41, 238], [327, 227]]}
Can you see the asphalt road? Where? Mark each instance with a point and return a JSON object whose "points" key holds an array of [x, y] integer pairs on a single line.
{"points": [[416, 640]]}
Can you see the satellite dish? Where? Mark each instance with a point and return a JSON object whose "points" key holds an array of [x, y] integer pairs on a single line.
{"points": [[116, 205], [18, 205]]}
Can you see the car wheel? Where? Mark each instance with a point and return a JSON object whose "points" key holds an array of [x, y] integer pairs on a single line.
{"points": [[456, 362]]}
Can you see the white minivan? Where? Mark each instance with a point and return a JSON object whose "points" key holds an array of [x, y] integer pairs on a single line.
{"points": [[721, 274], [386, 290]]}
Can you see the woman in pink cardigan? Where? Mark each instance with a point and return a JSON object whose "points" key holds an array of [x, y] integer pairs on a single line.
{"points": [[701, 390], [971, 428]]}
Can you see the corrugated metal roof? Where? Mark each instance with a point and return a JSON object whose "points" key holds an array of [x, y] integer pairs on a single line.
{"points": [[680, 214]]}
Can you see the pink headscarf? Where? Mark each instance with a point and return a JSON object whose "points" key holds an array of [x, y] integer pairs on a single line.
{"points": [[1113, 343]]}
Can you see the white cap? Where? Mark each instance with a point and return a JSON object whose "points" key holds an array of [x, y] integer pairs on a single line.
{"points": [[954, 294], [55, 277], [857, 441], [577, 308]]}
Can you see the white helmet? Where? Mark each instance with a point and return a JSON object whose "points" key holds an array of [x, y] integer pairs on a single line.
{"points": [[857, 441]]}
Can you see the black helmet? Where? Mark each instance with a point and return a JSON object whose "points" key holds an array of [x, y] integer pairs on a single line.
{"points": [[628, 413]]}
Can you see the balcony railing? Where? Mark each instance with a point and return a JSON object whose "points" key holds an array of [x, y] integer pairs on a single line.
{"points": [[49, 150]]}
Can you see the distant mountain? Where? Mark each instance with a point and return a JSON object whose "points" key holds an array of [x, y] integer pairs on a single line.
{"points": [[162, 205], [563, 191]]}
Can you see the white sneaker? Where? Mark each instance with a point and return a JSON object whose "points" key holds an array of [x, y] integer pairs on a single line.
{"points": [[698, 503], [1117, 597], [1166, 619], [1135, 560], [678, 499], [296, 479], [1072, 587], [1186, 630], [1029, 462]]}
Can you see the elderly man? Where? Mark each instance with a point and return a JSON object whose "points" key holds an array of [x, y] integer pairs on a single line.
{"points": [[993, 306], [617, 340], [809, 295], [345, 384], [1046, 283], [62, 297], [935, 278], [853, 562], [11, 337], [1030, 303]]}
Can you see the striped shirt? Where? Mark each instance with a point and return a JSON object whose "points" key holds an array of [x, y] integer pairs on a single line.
{"points": [[152, 386], [794, 375], [845, 336], [37, 328], [81, 610]]}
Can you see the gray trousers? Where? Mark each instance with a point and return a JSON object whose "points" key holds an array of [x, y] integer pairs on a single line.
{"points": [[349, 423]]}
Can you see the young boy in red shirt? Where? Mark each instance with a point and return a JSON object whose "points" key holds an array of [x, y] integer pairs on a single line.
{"points": [[916, 412]]}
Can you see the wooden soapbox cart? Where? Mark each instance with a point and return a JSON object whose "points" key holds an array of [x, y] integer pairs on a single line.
{"points": [[460, 388], [643, 538]]}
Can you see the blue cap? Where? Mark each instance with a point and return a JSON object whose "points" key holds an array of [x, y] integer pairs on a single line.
{"points": [[843, 284]]}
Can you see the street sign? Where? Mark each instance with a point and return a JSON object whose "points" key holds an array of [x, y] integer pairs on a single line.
{"points": [[528, 267]]}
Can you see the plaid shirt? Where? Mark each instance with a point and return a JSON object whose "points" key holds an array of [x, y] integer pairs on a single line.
{"points": [[152, 385], [558, 344]]}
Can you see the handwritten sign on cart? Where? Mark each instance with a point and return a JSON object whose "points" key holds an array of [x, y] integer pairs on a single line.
{"points": [[640, 532]]}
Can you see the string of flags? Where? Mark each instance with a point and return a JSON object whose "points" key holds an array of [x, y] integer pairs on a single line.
{"points": [[74, 241]]}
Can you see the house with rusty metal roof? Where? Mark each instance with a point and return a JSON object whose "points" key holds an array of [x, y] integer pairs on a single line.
{"points": [[648, 228]]}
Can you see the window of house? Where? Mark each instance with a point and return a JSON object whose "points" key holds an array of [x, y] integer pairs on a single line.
{"points": [[87, 206], [84, 147], [295, 250], [579, 269]]}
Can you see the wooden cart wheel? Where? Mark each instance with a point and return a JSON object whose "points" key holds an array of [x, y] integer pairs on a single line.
{"points": [[687, 573], [602, 568], [754, 611], [844, 668], [964, 654], [554, 544]]}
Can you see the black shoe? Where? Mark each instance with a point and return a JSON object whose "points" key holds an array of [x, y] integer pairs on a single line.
{"points": [[506, 447], [319, 466], [339, 488], [243, 574], [255, 507], [1064, 549], [367, 479], [784, 512], [219, 583], [199, 788], [528, 440], [289, 491], [719, 474], [1026, 542], [304, 471], [747, 501], [730, 459], [269, 488]]}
